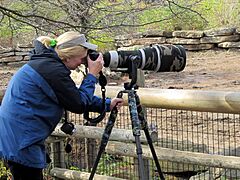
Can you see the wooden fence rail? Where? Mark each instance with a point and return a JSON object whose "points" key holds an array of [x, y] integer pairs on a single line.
{"points": [[71, 174], [129, 149], [193, 100], [93, 132], [167, 154], [205, 101]]}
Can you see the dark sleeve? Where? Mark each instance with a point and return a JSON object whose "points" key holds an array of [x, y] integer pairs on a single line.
{"points": [[72, 98], [77, 100], [97, 104]]}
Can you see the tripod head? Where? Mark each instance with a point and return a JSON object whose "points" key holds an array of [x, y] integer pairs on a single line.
{"points": [[132, 72]]}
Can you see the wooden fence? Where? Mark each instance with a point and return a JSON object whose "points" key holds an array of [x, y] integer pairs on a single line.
{"points": [[121, 141]]}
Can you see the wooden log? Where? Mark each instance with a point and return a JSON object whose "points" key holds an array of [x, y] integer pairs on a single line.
{"points": [[166, 154], [93, 132], [71, 174], [205, 101]]}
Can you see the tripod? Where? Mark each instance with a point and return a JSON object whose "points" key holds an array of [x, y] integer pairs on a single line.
{"points": [[138, 122]]}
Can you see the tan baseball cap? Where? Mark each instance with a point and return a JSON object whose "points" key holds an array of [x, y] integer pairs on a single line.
{"points": [[80, 40]]}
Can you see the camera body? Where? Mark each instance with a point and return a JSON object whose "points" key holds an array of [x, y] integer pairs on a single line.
{"points": [[93, 54], [68, 128]]}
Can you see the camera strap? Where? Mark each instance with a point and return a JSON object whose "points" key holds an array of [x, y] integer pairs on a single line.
{"points": [[65, 116], [93, 121], [67, 127]]}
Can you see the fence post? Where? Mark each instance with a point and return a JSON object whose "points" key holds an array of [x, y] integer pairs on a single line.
{"points": [[91, 152], [57, 155]]}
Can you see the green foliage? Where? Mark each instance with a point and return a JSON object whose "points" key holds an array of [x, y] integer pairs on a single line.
{"points": [[173, 16], [186, 15], [74, 168], [19, 6], [113, 165], [152, 15], [14, 28], [222, 12], [4, 29], [204, 14], [104, 41], [217, 13], [4, 172]]}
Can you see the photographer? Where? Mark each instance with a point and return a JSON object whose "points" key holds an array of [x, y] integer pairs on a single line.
{"points": [[37, 95]]}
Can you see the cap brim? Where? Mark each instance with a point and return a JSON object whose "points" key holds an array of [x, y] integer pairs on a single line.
{"points": [[89, 46]]}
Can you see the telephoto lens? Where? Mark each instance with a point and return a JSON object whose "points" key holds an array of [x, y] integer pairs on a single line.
{"points": [[158, 58]]}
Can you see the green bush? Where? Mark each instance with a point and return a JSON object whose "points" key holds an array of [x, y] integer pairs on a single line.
{"points": [[4, 172]]}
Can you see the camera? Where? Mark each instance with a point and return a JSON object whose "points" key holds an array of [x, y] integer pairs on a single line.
{"points": [[68, 128], [158, 58]]}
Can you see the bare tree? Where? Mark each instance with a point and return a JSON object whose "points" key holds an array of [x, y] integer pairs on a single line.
{"points": [[115, 17]]}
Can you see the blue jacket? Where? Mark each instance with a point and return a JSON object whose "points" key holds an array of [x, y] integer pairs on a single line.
{"points": [[33, 105]]}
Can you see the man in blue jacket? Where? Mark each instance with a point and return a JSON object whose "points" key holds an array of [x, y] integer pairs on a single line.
{"points": [[37, 95]]}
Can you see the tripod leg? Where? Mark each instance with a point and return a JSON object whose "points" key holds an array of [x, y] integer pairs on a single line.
{"points": [[144, 124], [105, 137], [136, 127], [146, 131]]}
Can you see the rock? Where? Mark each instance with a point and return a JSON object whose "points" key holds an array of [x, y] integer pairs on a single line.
{"points": [[220, 32], [6, 54], [157, 33], [188, 34], [219, 39], [182, 41], [229, 45], [131, 48], [197, 47], [142, 41], [148, 41], [128, 36], [17, 64], [8, 59]]}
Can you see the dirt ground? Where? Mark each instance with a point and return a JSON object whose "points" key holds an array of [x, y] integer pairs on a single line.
{"points": [[208, 70]]}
